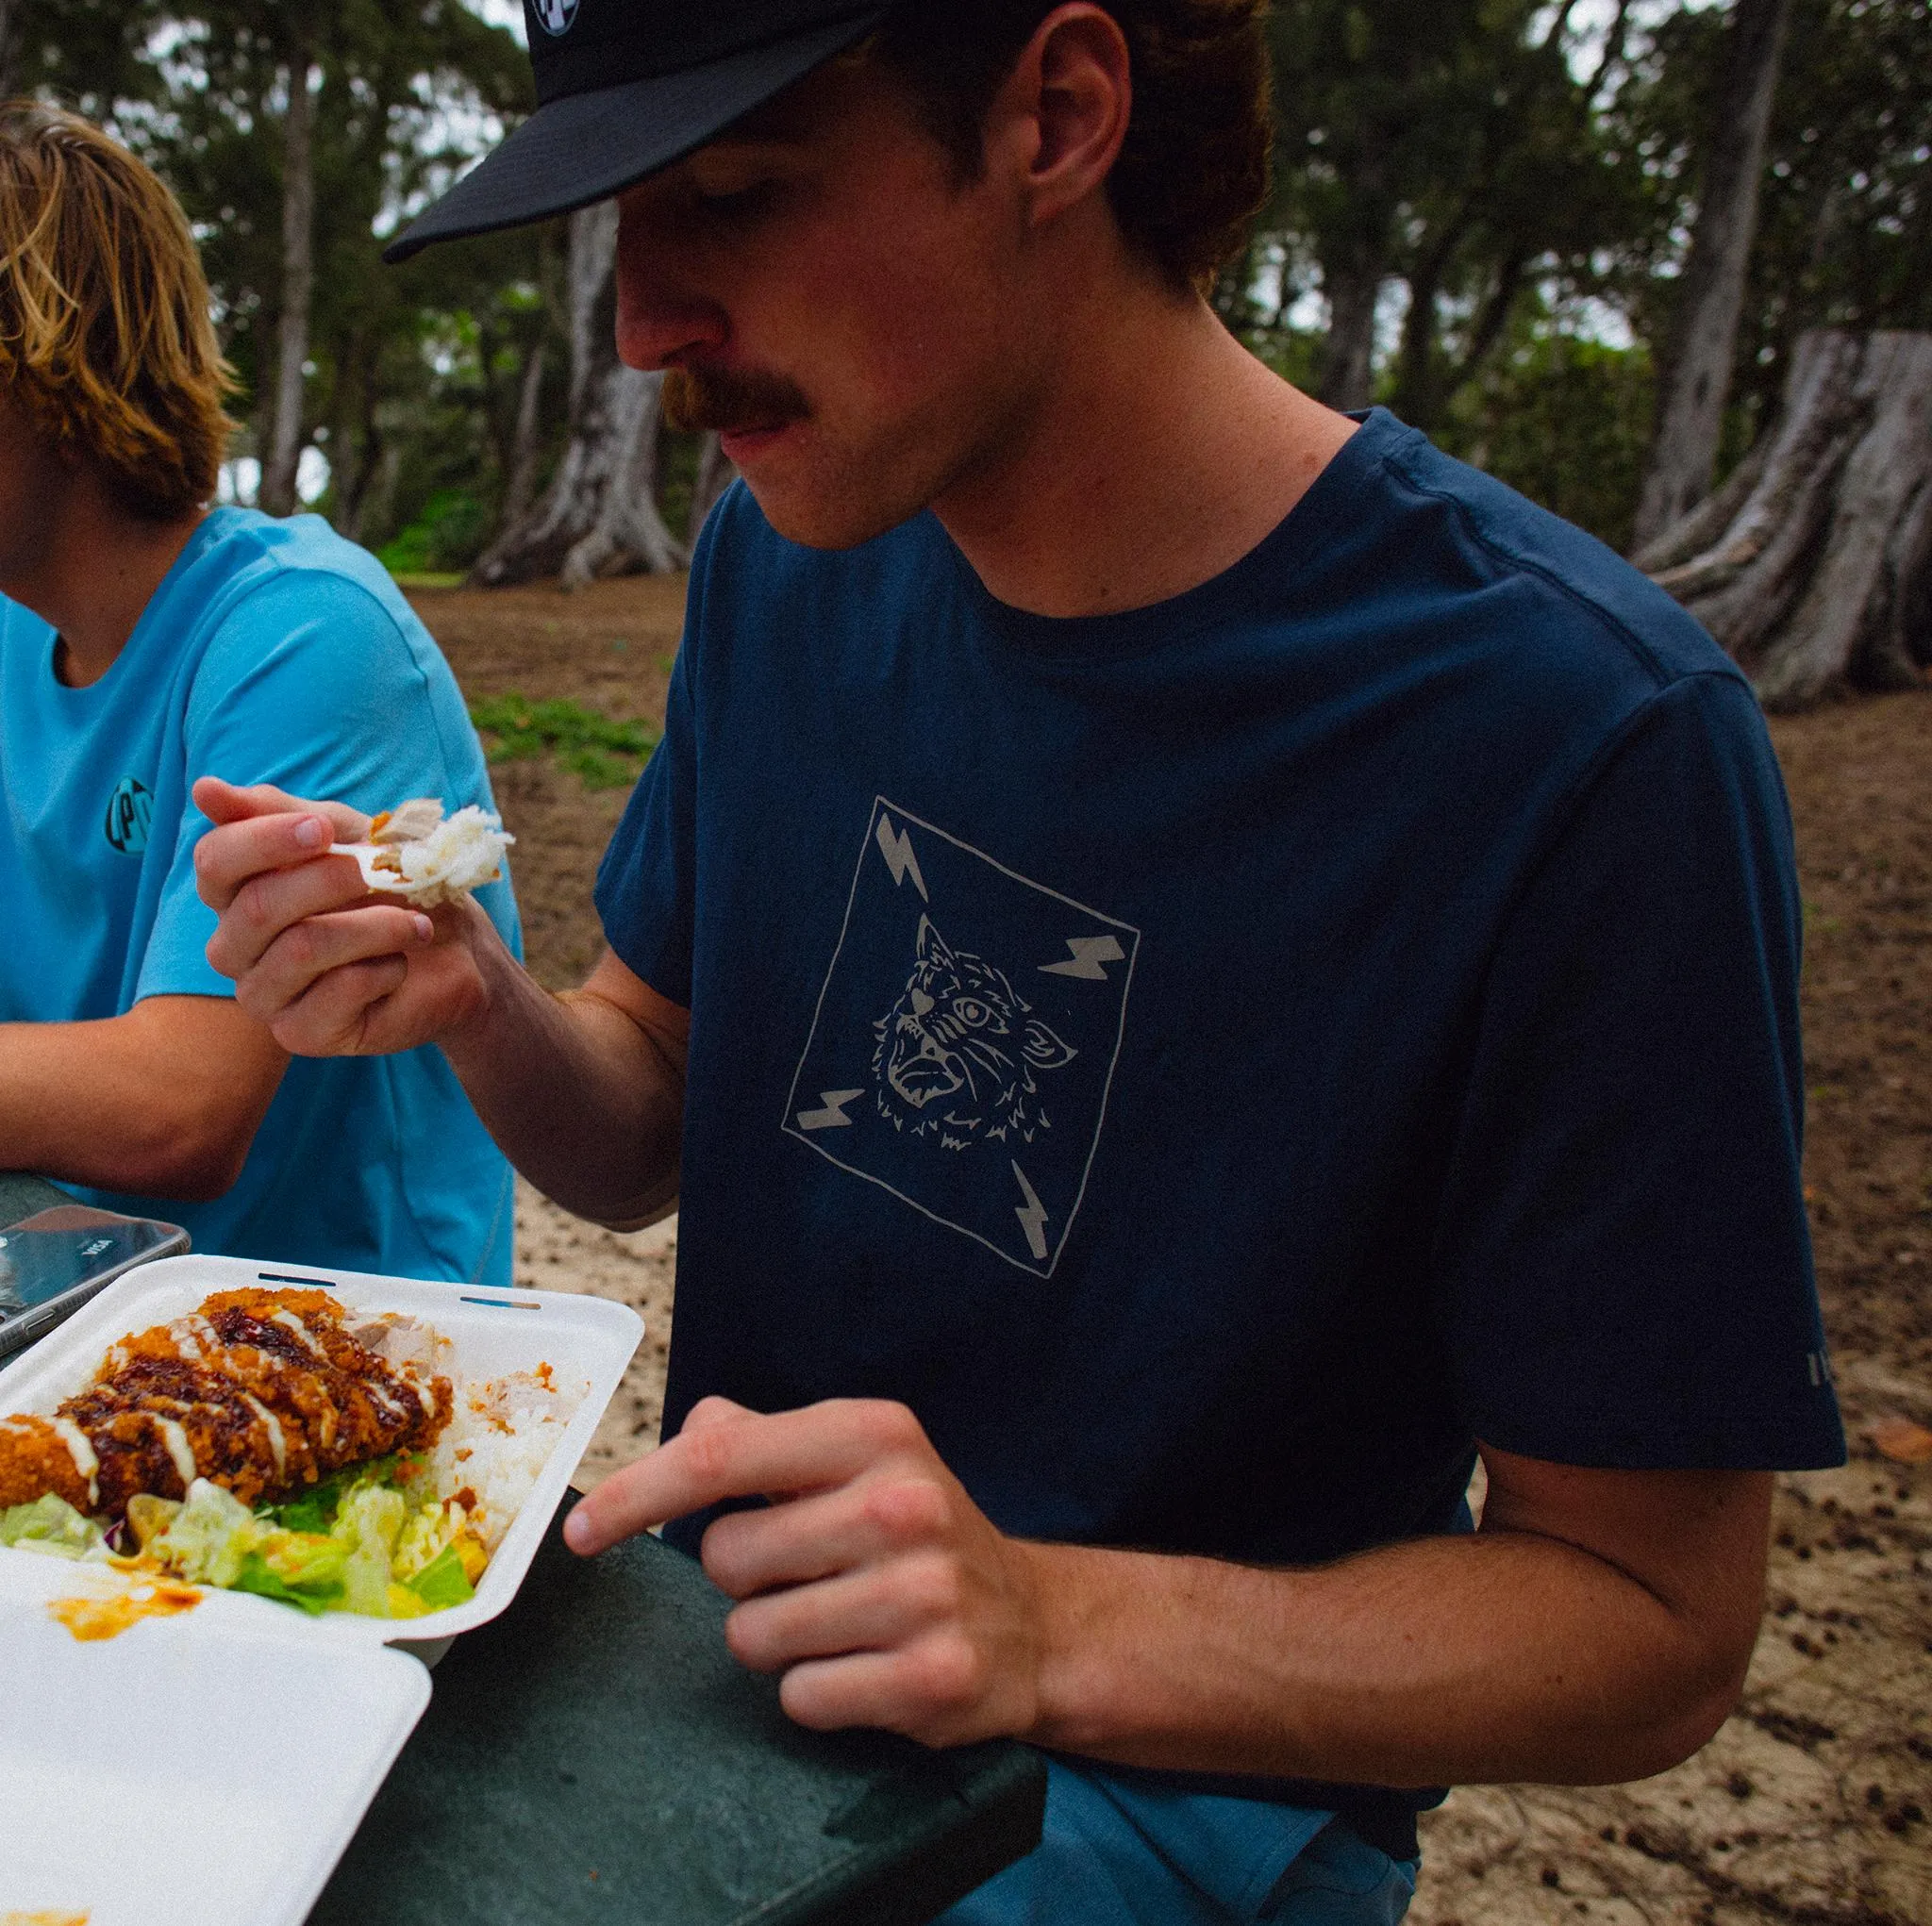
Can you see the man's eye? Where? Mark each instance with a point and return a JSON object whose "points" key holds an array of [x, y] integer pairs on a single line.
{"points": [[737, 202]]}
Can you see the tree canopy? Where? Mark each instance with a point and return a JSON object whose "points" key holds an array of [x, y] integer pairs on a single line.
{"points": [[1481, 216]]}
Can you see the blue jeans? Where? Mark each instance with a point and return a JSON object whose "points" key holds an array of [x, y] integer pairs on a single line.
{"points": [[1116, 1856]]}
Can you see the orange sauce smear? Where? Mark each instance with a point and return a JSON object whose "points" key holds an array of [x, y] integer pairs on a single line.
{"points": [[95, 1619], [43, 1919]]}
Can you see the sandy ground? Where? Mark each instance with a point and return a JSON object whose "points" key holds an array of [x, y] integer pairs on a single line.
{"points": [[1812, 1805]]}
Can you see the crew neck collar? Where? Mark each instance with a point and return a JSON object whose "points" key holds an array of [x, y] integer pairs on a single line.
{"points": [[1322, 514], [150, 620]]}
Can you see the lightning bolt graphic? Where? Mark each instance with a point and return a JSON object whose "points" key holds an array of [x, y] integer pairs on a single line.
{"points": [[895, 845], [833, 1115], [1090, 958], [1032, 1216]]}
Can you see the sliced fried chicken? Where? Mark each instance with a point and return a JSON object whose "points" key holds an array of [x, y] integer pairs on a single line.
{"points": [[261, 1391]]}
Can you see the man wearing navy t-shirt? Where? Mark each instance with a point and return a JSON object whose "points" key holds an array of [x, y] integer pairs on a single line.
{"points": [[1193, 965]]}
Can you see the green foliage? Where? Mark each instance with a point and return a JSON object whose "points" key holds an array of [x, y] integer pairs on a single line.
{"points": [[1524, 175], [1844, 228], [1563, 418], [608, 754], [448, 536], [1454, 148]]}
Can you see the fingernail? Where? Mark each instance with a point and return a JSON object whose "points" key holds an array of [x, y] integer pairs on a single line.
{"points": [[424, 929], [311, 832], [577, 1532]]}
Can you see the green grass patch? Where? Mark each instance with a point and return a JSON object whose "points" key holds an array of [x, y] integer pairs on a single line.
{"points": [[426, 578], [608, 754]]}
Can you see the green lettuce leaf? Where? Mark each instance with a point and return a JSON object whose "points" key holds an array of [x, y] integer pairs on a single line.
{"points": [[210, 1536], [50, 1525], [442, 1582], [257, 1576]]}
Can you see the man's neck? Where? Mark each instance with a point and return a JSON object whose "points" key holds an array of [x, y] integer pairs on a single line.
{"points": [[96, 577], [1161, 454]]}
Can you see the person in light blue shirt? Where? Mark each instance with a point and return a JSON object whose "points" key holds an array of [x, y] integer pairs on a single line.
{"points": [[145, 641]]}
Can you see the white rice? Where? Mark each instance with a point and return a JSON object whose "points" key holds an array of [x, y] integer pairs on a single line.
{"points": [[497, 1443], [455, 856]]}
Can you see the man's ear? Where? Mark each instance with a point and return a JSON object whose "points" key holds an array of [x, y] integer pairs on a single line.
{"points": [[1065, 107]]}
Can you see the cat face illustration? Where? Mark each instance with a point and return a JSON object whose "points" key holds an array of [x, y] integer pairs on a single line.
{"points": [[957, 1054]]}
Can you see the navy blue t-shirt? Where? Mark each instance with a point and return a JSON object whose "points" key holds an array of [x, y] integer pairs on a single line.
{"points": [[1216, 1062]]}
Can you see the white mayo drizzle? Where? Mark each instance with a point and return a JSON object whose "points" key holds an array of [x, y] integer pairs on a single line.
{"points": [[290, 1321], [176, 1441], [276, 1442], [82, 1453], [198, 1338]]}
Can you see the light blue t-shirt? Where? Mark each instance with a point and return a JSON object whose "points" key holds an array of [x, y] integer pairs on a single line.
{"points": [[274, 652]]}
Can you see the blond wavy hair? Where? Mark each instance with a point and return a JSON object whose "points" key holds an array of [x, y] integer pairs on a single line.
{"points": [[105, 336]]}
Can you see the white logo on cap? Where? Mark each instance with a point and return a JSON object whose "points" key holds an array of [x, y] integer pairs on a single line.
{"points": [[555, 16]]}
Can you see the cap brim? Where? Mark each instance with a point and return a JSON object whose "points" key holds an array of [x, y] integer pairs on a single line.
{"points": [[585, 147]]}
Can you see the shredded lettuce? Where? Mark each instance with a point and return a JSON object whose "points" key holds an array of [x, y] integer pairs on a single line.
{"points": [[368, 1522], [317, 1508], [257, 1576], [443, 1582], [366, 1542], [51, 1525], [208, 1538]]}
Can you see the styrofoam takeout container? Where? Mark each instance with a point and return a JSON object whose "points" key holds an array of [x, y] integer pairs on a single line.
{"points": [[208, 1770], [583, 1340]]}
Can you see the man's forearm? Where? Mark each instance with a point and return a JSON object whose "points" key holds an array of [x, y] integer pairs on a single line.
{"points": [[584, 1101], [163, 1101], [1497, 1658]]}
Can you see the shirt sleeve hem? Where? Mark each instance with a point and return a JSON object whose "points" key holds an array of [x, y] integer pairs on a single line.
{"points": [[1803, 1440], [649, 963]]}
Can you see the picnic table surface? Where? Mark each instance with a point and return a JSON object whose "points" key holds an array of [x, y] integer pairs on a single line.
{"points": [[597, 1754]]}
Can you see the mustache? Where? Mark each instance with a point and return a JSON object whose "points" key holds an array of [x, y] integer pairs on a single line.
{"points": [[698, 399]]}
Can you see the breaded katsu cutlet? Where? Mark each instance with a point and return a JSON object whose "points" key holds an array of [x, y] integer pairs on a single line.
{"points": [[261, 1391]]}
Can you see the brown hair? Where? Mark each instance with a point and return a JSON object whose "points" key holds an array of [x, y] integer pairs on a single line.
{"points": [[105, 335], [1193, 170]]}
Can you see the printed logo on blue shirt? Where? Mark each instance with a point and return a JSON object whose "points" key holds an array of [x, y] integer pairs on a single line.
{"points": [[130, 816], [965, 1039]]}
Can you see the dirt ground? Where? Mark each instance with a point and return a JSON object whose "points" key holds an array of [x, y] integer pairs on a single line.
{"points": [[1811, 1807]]}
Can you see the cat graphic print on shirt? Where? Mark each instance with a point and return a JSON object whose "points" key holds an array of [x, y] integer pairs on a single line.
{"points": [[965, 1039]]}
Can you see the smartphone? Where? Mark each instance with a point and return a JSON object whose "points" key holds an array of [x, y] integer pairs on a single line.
{"points": [[53, 1262]]}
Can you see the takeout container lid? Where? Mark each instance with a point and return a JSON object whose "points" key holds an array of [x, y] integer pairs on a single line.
{"points": [[208, 1770], [203, 1770]]}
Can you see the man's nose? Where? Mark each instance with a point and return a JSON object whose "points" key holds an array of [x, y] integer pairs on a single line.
{"points": [[660, 316]]}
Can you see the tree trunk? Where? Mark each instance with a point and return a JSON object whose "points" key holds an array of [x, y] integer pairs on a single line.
{"points": [[1813, 565], [355, 444], [298, 285], [599, 516], [1696, 378], [1348, 356], [526, 446], [11, 15]]}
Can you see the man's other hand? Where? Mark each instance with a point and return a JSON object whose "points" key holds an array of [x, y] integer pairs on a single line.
{"points": [[870, 1580], [326, 968]]}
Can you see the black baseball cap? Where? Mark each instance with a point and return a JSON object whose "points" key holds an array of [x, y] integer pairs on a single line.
{"points": [[625, 87]]}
